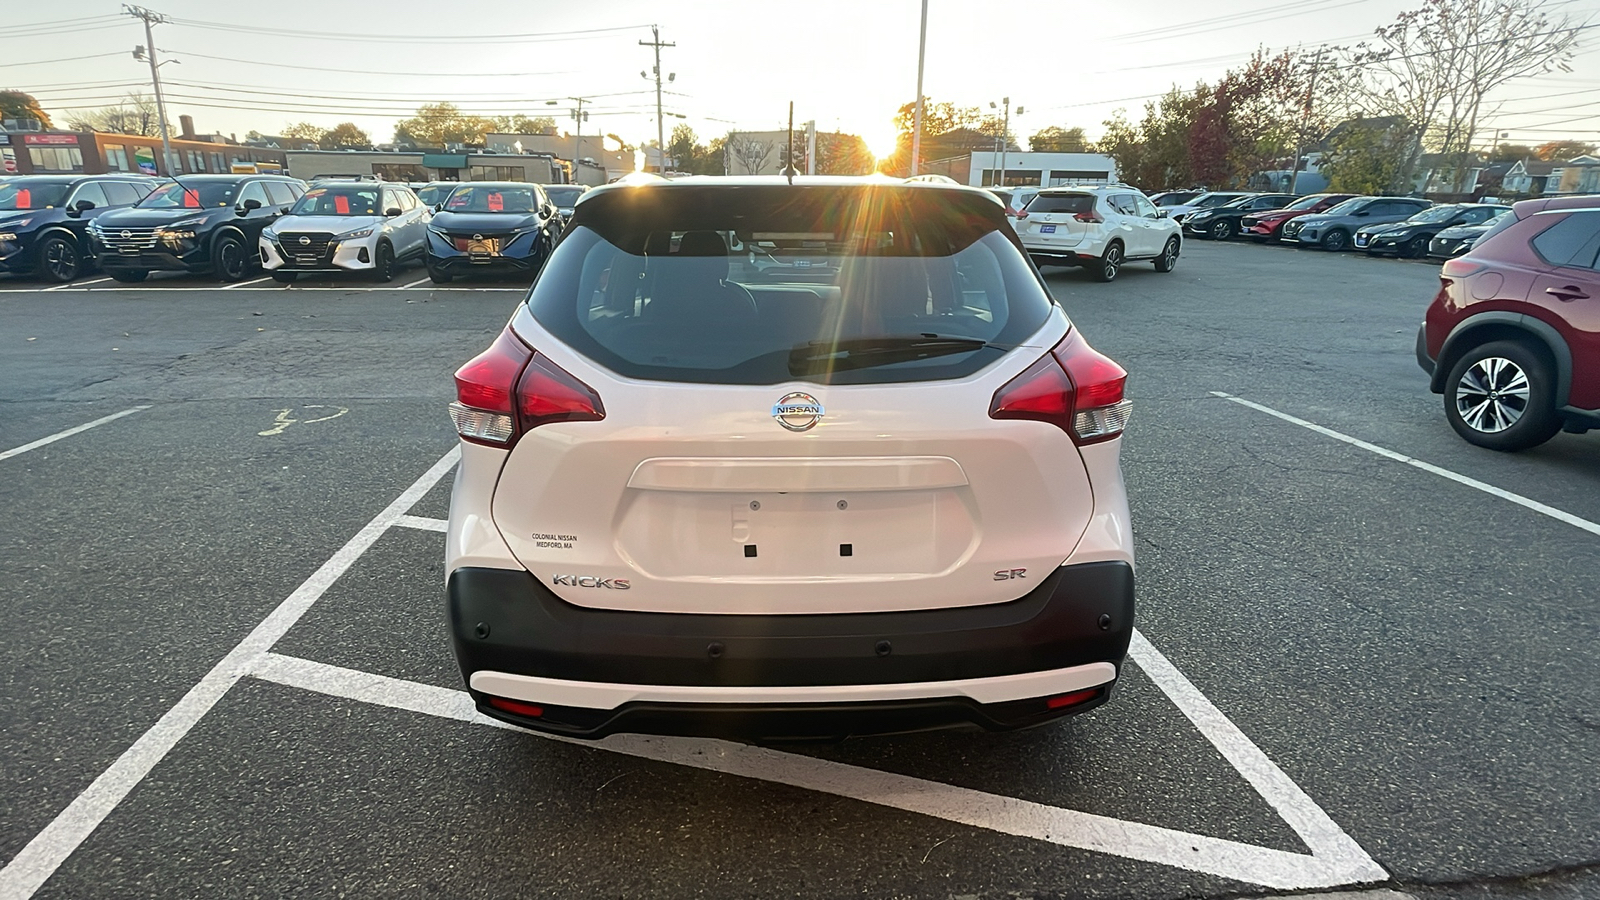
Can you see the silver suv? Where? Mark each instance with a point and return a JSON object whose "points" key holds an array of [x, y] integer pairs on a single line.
{"points": [[1098, 227]]}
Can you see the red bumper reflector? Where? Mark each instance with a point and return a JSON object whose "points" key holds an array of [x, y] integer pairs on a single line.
{"points": [[517, 707], [1072, 699]]}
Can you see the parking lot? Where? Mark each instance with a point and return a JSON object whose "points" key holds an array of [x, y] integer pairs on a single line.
{"points": [[1366, 655]]}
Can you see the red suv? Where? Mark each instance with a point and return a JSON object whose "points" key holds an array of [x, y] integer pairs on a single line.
{"points": [[1268, 225], [1513, 338]]}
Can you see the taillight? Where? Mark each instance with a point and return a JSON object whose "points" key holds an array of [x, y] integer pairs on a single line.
{"points": [[1072, 387], [1022, 214], [509, 389], [1092, 218], [1460, 267]]}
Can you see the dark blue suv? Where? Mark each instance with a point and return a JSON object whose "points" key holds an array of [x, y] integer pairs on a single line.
{"points": [[491, 226], [44, 219]]}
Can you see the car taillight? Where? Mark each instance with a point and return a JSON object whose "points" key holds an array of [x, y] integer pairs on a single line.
{"points": [[1460, 267], [509, 389], [1091, 218], [1072, 387], [1022, 214]]}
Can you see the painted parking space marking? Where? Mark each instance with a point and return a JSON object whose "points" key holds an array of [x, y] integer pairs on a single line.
{"points": [[30, 868], [77, 429], [239, 284], [1541, 508], [1334, 858], [414, 284]]}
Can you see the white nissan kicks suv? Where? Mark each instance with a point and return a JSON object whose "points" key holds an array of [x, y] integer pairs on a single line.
{"points": [[347, 226], [786, 460], [1099, 228]]}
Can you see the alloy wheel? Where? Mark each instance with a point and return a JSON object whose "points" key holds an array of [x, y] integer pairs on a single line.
{"points": [[61, 260], [1492, 395]]}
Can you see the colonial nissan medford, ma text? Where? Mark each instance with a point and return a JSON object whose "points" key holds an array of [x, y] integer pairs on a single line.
{"points": [[788, 460]]}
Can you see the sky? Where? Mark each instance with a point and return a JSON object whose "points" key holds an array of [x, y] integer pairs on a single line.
{"points": [[736, 65]]}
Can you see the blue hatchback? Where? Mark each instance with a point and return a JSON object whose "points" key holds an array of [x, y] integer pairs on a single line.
{"points": [[491, 227]]}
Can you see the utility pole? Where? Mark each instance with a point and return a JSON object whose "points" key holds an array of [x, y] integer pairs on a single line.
{"points": [[788, 168], [661, 124], [577, 156], [150, 19], [922, 54], [811, 147], [1294, 164]]}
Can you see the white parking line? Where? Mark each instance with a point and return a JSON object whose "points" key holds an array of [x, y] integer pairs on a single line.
{"points": [[413, 284], [1475, 484], [239, 284], [50, 847], [34, 445], [1333, 862], [1335, 858]]}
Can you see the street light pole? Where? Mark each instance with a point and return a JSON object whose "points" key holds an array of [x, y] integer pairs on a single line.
{"points": [[151, 18], [577, 155], [922, 55], [661, 126]]}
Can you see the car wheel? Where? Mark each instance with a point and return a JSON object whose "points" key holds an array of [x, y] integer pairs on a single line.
{"points": [[285, 277], [1222, 231], [128, 276], [1109, 264], [383, 264], [1416, 248], [439, 277], [1336, 240], [227, 258], [1501, 396], [1169, 256], [59, 260]]}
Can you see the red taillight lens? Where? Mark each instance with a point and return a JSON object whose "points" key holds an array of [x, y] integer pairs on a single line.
{"points": [[1091, 218], [1460, 267], [509, 390], [1022, 214], [1074, 388], [516, 707], [548, 393], [487, 381]]}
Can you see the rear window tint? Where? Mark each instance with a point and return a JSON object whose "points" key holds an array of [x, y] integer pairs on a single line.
{"points": [[1061, 203], [751, 285], [1571, 241]]}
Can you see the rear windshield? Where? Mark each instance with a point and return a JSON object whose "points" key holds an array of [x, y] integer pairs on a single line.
{"points": [[1062, 203], [338, 201], [763, 286], [434, 194], [564, 196], [32, 194]]}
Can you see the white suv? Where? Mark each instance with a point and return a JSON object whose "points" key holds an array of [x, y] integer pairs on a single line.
{"points": [[1098, 228], [339, 226], [778, 460]]}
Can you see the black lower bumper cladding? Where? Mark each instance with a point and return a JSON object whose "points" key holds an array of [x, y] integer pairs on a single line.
{"points": [[507, 621]]}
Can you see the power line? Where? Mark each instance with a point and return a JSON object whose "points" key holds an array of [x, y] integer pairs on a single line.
{"points": [[345, 36], [62, 59], [278, 65]]}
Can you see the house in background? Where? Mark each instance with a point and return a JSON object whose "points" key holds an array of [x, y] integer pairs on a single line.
{"points": [[1527, 177], [1580, 175]]}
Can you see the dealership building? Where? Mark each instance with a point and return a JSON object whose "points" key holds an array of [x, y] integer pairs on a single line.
{"points": [[98, 153], [982, 168]]}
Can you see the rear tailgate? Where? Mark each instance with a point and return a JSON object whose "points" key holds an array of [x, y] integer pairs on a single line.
{"points": [[693, 498], [1053, 220]]}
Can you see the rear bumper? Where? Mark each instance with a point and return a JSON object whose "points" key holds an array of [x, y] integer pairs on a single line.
{"points": [[1423, 359], [594, 672]]}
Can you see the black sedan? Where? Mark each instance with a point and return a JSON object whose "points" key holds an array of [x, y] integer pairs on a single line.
{"points": [[1410, 239], [1222, 223], [491, 226], [44, 220], [1458, 239]]}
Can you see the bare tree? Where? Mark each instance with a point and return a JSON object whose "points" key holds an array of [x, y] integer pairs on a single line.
{"points": [[746, 155], [1434, 66], [136, 114]]}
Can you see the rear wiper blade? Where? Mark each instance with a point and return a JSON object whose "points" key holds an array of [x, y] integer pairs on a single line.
{"points": [[855, 353]]}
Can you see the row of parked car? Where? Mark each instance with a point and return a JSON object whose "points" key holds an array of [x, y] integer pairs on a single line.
{"points": [[62, 227]]}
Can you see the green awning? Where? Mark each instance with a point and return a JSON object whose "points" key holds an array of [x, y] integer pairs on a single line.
{"points": [[444, 160]]}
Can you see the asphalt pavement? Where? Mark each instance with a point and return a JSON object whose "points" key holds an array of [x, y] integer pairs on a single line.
{"points": [[226, 671]]}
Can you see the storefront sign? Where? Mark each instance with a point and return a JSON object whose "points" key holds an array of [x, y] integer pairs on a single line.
{"points": [[145, 159], [70, 140]]}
